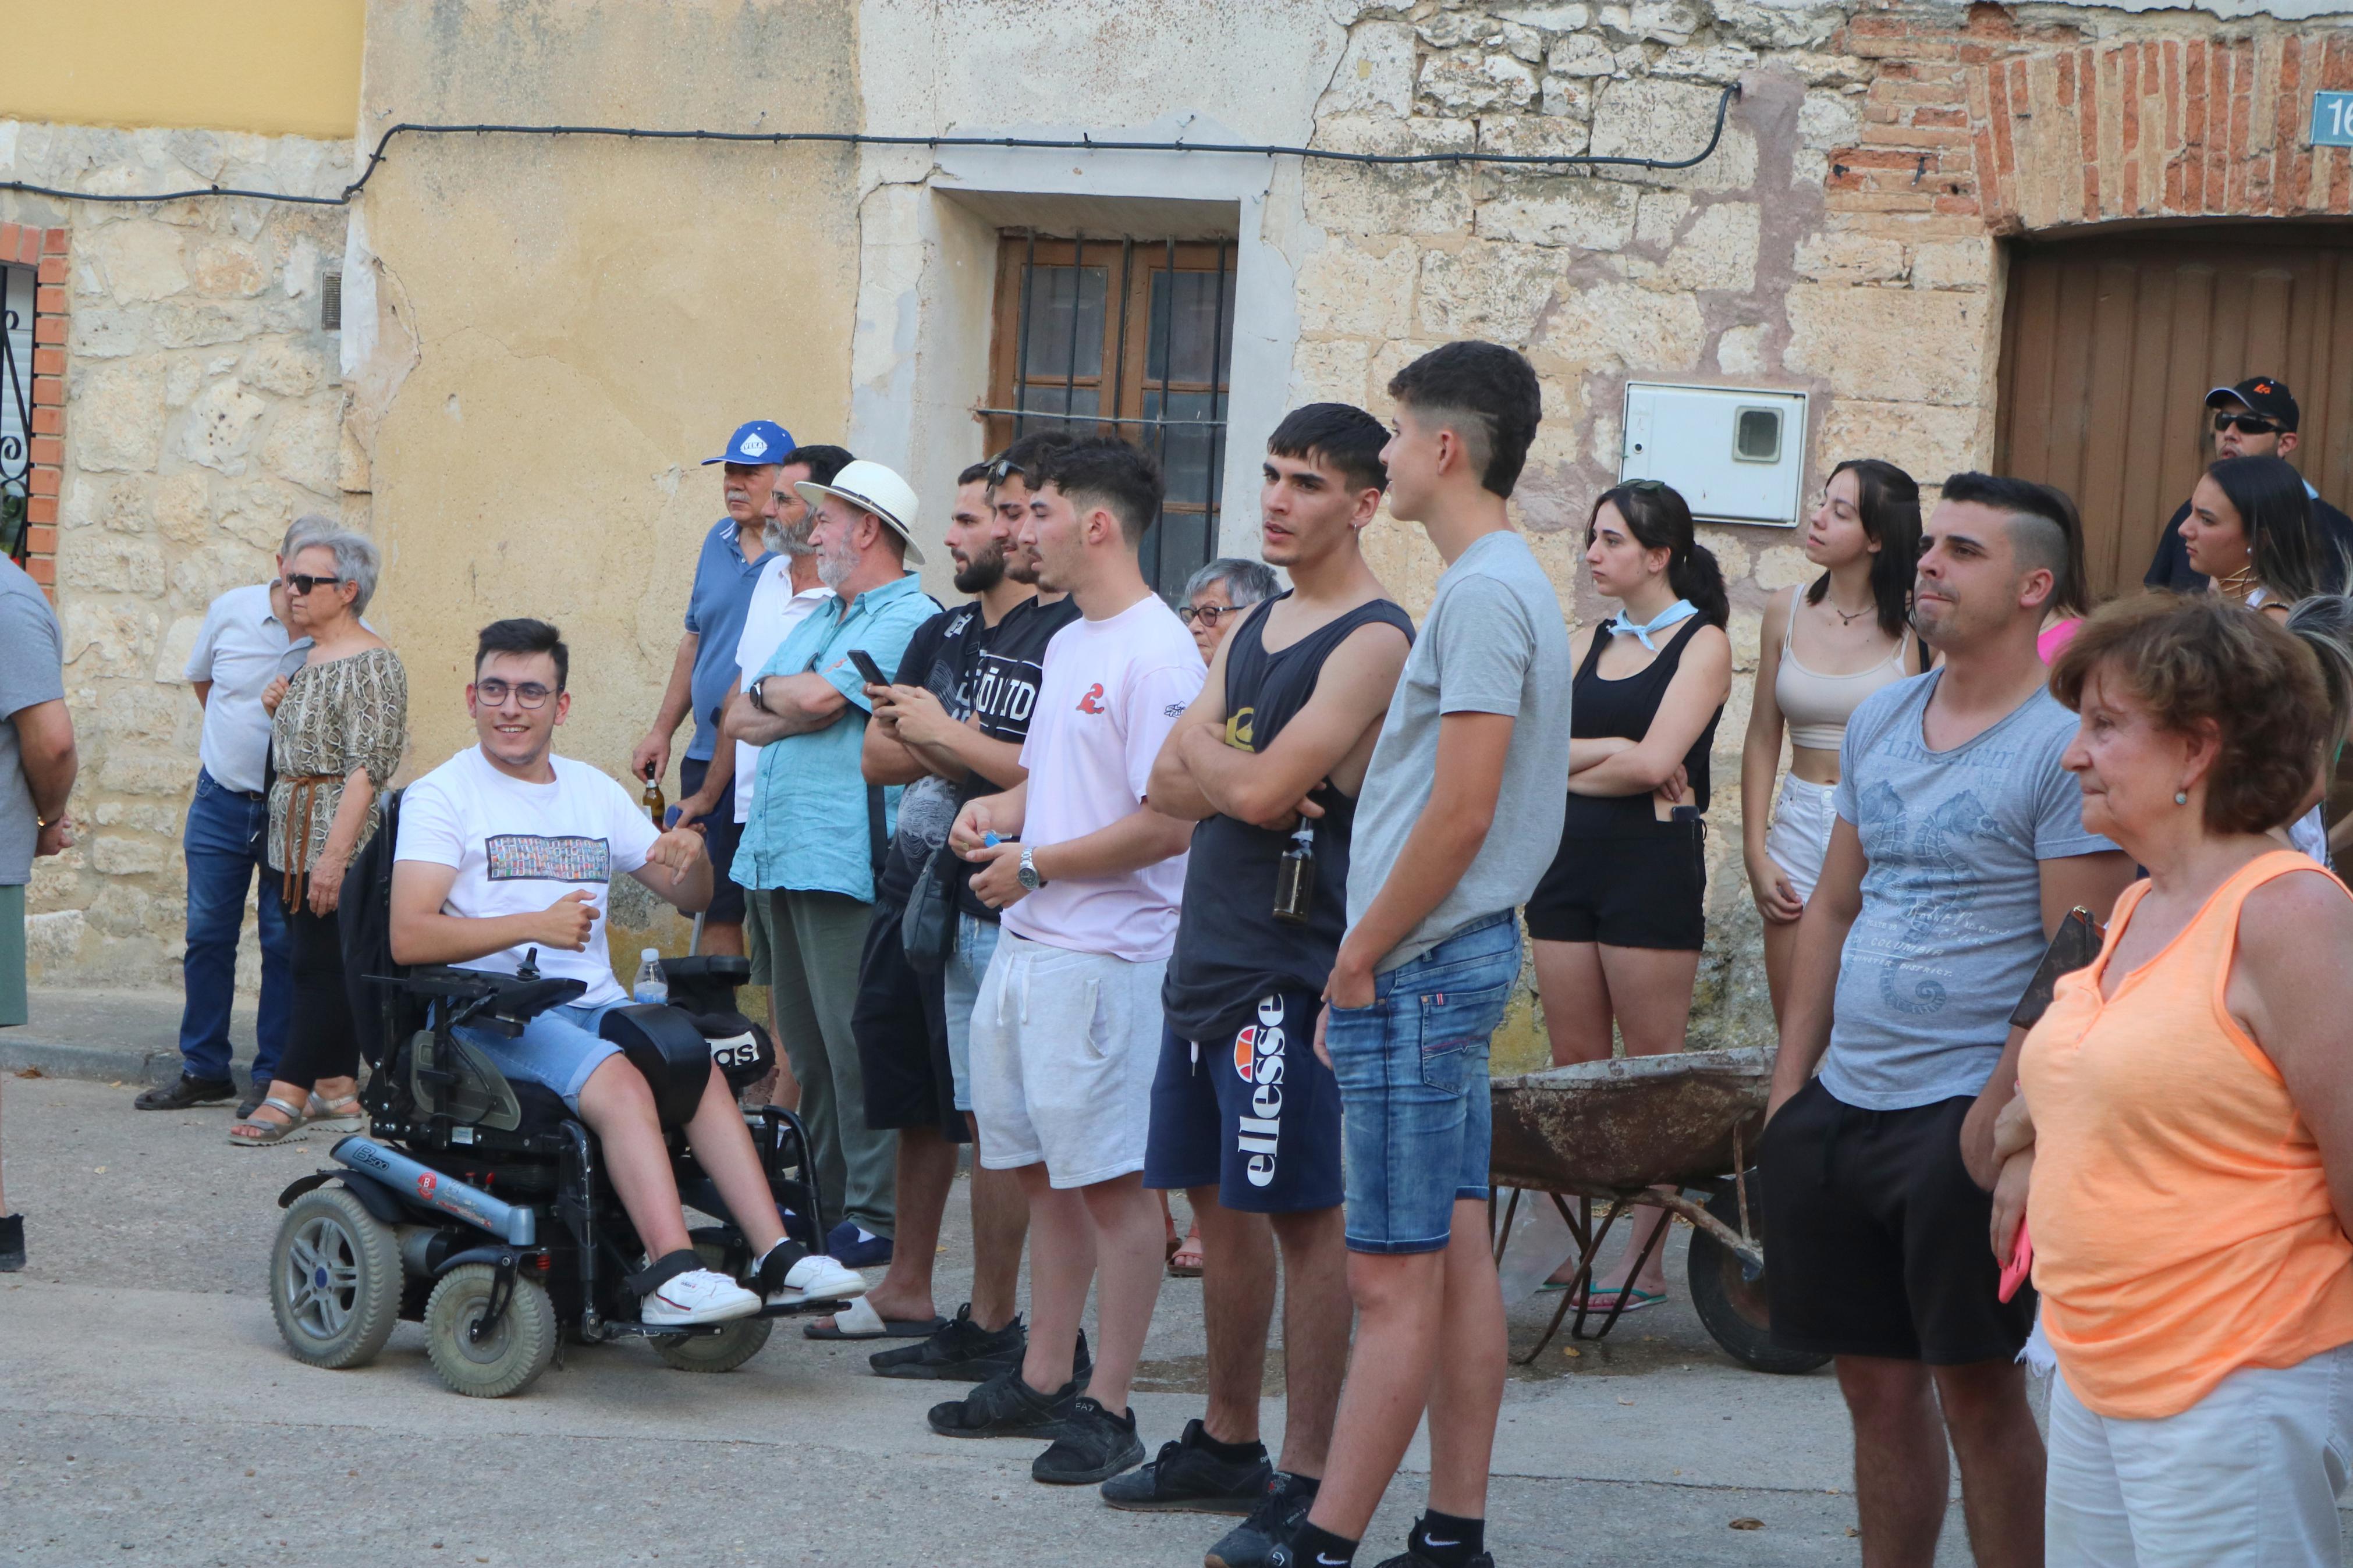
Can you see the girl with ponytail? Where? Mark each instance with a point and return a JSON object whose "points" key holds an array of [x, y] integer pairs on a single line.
{"points": [[1617, 921]]}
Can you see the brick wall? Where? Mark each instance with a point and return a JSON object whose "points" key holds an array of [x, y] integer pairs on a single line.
{"points": [[44, 249]]}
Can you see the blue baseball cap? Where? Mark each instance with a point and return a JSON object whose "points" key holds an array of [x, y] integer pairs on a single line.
{"points": [[757, 441]]}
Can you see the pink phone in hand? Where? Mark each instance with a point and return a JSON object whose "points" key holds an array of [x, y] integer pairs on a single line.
{"points": [[2020, 1264]]}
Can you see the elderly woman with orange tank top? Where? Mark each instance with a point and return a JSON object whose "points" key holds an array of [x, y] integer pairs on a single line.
{"points": [[1824, 647], [2188, 1181]]}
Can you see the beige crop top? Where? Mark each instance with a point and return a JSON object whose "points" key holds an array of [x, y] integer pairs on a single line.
{"points": [[1817, 707]]}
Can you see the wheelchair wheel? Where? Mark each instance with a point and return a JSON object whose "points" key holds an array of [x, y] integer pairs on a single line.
{"points": [[735, 1343], [1732, 1307], [335, 1280], [510, 1357]]}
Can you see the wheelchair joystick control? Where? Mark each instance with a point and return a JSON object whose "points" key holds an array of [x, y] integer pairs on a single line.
{"points": [[530, 968]]}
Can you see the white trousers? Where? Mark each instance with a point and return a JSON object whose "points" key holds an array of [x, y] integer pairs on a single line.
{"points": [[2246, 1477]]}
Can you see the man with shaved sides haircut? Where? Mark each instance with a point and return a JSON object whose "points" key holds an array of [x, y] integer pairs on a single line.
{"points": [[1959, 848]]}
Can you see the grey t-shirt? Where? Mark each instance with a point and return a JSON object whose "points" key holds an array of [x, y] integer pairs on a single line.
{"points": [[1494, 643], [1951, 927], [32, 671]]}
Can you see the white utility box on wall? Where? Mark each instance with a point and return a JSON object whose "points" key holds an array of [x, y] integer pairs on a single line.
{"points": [[1736, 455]]}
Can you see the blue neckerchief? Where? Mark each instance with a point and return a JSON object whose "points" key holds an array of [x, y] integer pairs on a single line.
{"points": [[1681, 610]]}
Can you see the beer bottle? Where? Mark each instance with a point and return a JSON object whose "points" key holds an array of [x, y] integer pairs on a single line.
{"points": [[1294, 876], [652, 799]]}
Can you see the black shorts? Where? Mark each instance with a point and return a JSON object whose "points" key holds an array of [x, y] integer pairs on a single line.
{"points": [[1254, 1114], [1649, 890], [1877, 1236], [720, 834], [900, 1022]]}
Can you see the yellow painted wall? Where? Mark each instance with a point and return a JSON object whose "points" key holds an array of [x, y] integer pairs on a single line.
{"points": [[273, 66]]}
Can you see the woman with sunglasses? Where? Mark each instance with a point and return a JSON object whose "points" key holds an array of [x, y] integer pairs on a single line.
{"points": [[1823, 649], [336, 734], [1617, 921]]}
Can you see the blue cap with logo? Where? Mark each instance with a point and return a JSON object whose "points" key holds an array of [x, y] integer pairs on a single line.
{"points": [[757, 441]]}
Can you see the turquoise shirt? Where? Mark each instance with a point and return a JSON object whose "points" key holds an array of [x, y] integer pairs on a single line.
{"points": [[809, 829]]}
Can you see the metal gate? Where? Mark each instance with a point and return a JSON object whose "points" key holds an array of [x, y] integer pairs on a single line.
{"points": [[17, 297], [2111, 343]]}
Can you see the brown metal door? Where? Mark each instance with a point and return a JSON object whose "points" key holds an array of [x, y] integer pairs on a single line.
{"points": [[2111, 343]]}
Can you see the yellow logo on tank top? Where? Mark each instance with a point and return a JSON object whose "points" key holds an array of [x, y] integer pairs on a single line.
{"points": [[1237, 730]]}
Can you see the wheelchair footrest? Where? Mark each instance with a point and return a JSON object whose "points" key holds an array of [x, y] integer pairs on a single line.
{"points": [[614, 1330], [803, 1310]]}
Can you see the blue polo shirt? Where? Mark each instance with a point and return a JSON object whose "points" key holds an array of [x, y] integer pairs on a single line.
{"points": [[809, 831], [715, 612]]}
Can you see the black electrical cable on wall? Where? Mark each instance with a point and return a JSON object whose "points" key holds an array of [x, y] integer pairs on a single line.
{"points": [[862, 138]]}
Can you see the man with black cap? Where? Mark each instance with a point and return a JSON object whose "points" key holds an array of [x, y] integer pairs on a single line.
{"points": [[2256, 418], [702, 676]]}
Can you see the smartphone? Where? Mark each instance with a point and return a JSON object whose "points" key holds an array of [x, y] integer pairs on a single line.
{"points": [[870, 670]]}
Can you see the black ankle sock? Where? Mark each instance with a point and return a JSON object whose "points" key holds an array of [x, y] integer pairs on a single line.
{"points": [[1307, 1486], [1316, 1545], [1457, 1539], [1233, 1453]]}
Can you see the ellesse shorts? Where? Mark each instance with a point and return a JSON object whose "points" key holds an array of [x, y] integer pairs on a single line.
{"points": [[1254, 1115]]}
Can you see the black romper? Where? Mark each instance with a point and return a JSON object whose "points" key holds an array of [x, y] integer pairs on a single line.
{"points": [[1621, 876]]}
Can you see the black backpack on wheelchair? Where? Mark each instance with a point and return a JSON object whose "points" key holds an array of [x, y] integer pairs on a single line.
{"points": [[476, 1204]]}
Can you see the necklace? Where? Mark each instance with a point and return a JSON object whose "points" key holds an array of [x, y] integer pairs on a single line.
{"points": [[1845, 617], [2239, 584]]}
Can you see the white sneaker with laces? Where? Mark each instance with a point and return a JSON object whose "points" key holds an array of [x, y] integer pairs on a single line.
{"points": [[698, 1296], [818, 1278]]}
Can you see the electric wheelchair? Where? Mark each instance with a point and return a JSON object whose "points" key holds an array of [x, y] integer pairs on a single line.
{"points": [[477, 1206]]}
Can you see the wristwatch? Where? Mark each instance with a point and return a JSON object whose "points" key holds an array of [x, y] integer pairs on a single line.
{"points": [[752, 691], [1029, 876]]}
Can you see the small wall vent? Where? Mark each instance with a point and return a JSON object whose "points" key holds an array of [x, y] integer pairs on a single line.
{"points": [[330, 302]]}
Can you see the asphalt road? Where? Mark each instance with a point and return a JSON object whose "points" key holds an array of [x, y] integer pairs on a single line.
{"points": [[148, 1415]]}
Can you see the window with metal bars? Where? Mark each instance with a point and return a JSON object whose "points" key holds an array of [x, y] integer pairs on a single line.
{"points": [[16, 298], [1127, 336]]}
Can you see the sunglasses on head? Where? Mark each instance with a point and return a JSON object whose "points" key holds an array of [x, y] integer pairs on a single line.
{"points": [[1001, 470], [530, 694], [2244, 423], [302, 583]]}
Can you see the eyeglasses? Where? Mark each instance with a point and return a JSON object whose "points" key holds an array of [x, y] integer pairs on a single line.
{"points": [[530, 694], [1207, 615], [1003, 469], [2245, 424], [302, 582]]}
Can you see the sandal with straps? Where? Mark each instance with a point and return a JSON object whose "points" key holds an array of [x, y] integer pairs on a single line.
{"points": [[265, 1134], [335, 1116]]}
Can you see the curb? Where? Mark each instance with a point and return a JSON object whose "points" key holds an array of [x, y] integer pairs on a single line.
{"points": [[105, 1064]]}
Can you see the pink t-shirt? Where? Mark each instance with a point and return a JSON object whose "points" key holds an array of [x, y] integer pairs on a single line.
{"points": [[1110, 691], [2053, 639]]}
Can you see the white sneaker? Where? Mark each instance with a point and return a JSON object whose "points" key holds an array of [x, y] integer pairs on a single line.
{"points": [[698, 1296], [818, 1278]]}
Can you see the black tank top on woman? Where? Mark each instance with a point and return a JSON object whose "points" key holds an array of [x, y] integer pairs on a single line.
{"points": [[1601, 709], [1230, 950]]}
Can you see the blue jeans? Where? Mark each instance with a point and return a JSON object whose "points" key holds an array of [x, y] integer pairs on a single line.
{"points": [[224, 846], [975, 945], [558, 1049], [1413, 1087]]}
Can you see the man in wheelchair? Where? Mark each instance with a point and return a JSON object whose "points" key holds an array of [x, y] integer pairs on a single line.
{"points": [[507, 848]]}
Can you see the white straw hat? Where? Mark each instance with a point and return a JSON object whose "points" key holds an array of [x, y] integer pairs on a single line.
{"points": [[870, 487]]}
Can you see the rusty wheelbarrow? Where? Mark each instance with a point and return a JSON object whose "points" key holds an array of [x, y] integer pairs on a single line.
{"points": [[1649, 1130]]}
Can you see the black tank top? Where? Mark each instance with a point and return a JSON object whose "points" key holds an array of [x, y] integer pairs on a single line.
{"points": [[1230, 950], [1600, 710]]}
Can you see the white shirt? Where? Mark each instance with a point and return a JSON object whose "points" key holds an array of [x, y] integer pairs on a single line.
{"points": [[238, 650], [1110, 691], [519, 846], [772, 612]]}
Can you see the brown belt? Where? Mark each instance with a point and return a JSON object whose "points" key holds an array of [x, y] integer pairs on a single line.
{"points": [[303, 793]]}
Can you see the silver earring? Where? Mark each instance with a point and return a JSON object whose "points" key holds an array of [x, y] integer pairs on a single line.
{"points": [[2181, 797]]}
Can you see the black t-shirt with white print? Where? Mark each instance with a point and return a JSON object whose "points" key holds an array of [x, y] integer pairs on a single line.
{"points": [[1005, 688]]}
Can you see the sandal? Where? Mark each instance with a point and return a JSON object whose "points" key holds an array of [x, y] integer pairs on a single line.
{"points": [[336, 1115], [253, 1132], [1185, 1258]]}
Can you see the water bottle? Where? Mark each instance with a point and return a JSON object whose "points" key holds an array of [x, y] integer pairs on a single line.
{"points": [[1294, 877], [650, 986]]}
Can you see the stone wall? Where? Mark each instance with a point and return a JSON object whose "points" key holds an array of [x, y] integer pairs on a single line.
{"points": [[204, 414]]}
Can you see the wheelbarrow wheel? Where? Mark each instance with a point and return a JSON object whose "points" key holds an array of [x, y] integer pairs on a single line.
{"points": [[1733, 1306]]}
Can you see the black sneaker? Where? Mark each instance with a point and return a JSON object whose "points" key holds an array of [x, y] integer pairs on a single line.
{"points": [[1094, 1447], [186, 1092], [1004, 1406], [12, 1243], [1250, 1545], [959, 1351], [1187, 1477], [1410, 1558]]}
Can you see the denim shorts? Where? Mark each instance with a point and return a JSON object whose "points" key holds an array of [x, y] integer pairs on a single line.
{"points": [[1413, 1087], [975, 945], [558, 1049]]}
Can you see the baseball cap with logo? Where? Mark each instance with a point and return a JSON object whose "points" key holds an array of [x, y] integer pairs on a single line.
{"points": [[756, 441], [870, 487], [2265, 394]]}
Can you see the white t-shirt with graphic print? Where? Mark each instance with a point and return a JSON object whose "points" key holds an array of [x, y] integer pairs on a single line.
{"points": [[519, 846], [1110, 691]]}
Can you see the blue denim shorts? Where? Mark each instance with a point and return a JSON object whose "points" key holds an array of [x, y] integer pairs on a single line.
{"points": [[559, 1048], [1413, 1087]]}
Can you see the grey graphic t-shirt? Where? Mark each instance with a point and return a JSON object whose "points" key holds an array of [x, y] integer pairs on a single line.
{"points": [[1951, 927]]}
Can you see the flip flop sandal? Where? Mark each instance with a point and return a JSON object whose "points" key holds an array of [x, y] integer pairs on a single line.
{"points": [[1603, 1298], [336, 1115], [267, 1133], [1184, 1271], [859, 1321]]}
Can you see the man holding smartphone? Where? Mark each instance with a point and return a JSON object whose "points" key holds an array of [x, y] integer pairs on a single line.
{"points": [[818, 832]]}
